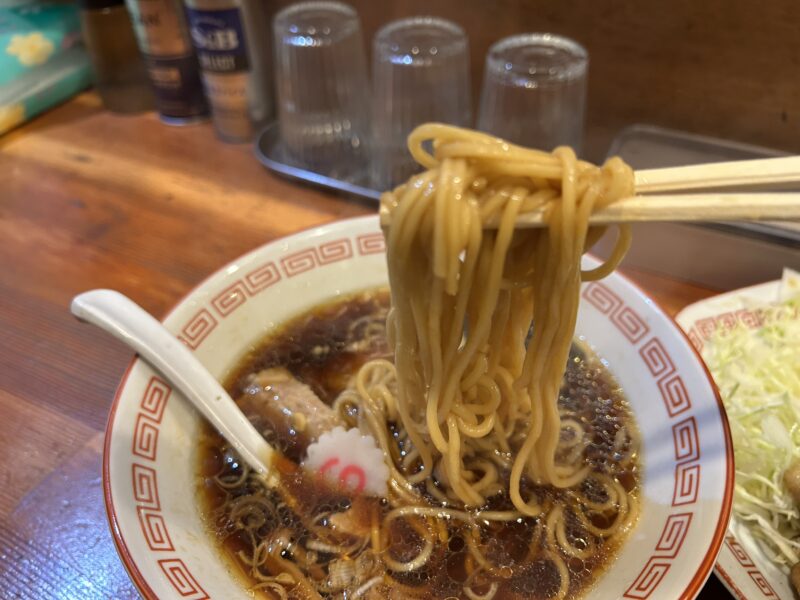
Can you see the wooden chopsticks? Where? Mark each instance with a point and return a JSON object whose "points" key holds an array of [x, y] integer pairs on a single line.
{"points": [[739, 174], [690, 207], [708, 206]]}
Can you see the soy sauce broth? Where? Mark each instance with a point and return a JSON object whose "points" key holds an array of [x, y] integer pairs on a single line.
{"points": [[324, 348]]}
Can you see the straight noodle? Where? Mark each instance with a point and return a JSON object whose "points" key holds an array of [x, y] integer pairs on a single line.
{"points": [[464, 298]]}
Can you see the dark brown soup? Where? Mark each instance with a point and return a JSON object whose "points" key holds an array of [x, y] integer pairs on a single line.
{"points": [[304, 539]]}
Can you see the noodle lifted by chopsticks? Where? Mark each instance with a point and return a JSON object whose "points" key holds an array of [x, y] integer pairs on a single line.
{"points": [[472, 397]]}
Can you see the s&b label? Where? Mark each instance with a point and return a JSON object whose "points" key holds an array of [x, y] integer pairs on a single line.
{"points": [[218, 38]]}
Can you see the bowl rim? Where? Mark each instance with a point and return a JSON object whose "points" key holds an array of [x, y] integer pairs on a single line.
{"points": [[705, 566]]}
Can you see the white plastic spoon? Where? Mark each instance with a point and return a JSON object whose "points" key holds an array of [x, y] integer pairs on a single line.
{"points": [[127, 321]]}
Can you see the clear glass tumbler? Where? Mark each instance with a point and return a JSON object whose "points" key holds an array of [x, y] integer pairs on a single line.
{"points": [[534, 91], [420, 73], [322, 88]]}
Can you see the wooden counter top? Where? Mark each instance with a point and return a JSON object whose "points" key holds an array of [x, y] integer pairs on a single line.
{"points": [[89, 199]]}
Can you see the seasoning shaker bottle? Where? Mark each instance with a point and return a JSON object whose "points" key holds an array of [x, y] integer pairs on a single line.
{"points": [[119, 74], [230, 38], [171, 64]]}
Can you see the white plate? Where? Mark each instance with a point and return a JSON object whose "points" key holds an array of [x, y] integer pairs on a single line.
{"points": [[149, 459], [741, 566]]}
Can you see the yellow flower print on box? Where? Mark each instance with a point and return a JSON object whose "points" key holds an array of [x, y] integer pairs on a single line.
{"points": [[31, 49], [11, 115]]}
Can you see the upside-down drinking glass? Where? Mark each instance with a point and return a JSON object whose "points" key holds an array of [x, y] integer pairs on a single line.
{"points": [[322, 88], [534, 91], [420, 73]]}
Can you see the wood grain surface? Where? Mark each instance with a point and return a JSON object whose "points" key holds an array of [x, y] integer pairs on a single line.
{"points": [[89, 199]]}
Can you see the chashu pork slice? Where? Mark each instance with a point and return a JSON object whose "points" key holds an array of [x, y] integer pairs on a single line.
{"points": [[286, 411]]}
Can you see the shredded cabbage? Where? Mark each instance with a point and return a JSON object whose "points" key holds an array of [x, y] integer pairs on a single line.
{"points": [[758, 375]]}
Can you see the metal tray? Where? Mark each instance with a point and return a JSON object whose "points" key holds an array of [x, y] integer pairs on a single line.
{"points": [[650, 147], [719, 255], [270, 153]]}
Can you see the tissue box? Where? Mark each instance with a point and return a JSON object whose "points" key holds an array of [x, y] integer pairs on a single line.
{"points": [[42, 61]]}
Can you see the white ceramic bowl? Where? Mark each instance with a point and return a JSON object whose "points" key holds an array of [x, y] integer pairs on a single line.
{"points": [[149, 460]]}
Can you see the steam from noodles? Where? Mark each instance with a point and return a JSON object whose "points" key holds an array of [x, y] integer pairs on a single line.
{"points": [[472, 396]]}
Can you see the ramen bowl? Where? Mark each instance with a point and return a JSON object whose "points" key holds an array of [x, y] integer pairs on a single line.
{"points": [[150, 459]]}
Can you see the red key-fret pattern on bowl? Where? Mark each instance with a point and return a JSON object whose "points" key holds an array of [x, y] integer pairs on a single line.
{"points": [[272, 270], [684, 434]]}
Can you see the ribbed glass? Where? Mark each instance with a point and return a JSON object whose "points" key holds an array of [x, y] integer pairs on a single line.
{"points": [[420, 73], [534, 91], [322, 88]]}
